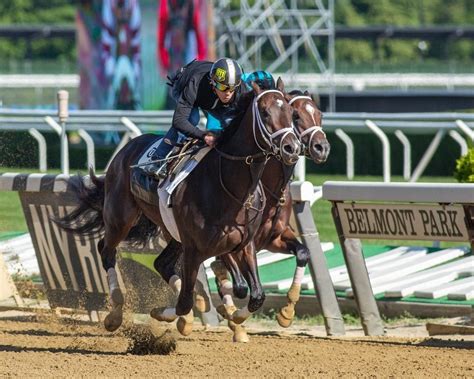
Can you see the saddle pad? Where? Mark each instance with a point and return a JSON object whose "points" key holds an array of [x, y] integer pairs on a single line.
{"points": [[146, 156], [166, 190], [142, 185]]}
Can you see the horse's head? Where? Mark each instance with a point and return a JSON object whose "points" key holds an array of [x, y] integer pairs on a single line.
{"points": [[273, 119], [307, 121]]}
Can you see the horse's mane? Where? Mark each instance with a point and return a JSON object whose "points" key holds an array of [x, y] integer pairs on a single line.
{"points": [[296, 92], [243, 104]]}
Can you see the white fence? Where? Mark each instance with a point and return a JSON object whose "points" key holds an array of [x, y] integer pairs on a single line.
{"points": [[403, 125]]}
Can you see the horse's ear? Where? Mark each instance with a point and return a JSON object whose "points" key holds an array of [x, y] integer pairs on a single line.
{"points": [[280, 85], [256, 88], [306, 93]]}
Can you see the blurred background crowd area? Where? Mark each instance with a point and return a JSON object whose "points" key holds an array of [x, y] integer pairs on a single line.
{"points": [[388, 56], [371, 52]]}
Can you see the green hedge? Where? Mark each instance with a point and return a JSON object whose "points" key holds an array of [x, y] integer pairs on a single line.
{"points": [[464, 171]]}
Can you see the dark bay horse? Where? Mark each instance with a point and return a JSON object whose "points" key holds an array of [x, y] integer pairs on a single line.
{"points": [[218, 208], [275, 233]]}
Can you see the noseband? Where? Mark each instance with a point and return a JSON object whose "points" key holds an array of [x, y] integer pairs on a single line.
{"points": [[311, 130], [264, 133]]}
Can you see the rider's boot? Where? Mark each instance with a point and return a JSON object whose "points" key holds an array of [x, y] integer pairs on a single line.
{"points": [[158, 169], [152, 169]]}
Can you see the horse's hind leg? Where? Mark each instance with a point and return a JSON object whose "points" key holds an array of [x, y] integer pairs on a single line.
{"points": [[117, 225]]}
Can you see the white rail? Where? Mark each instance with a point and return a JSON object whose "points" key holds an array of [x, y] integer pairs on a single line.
{"points": [[404, 126]]}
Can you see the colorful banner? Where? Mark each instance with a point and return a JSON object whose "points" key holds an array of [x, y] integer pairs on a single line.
{"points": [[127, 48]]}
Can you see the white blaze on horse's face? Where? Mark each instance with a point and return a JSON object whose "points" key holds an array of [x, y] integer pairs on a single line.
{"points": [[311, 110], [279, 102]]}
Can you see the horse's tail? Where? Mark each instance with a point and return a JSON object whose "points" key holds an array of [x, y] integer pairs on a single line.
{"points": [[142, 232], [86, 218]]}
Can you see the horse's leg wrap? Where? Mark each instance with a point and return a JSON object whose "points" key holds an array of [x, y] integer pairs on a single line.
{"points": [[175, 284], [114, 319], [168, 314], [287, 313], [164, 314], [228, 307], [225, 289]]}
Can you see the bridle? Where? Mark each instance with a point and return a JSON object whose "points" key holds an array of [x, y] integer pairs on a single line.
{"points": [[271, 150], [259, 126], [311, 130]]}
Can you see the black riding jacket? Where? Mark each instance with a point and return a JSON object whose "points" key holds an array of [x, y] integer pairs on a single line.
{"points": [[192, 88]]}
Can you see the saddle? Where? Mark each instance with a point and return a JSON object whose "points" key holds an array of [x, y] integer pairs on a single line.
{"points": [[183, 152], [146, 187]]}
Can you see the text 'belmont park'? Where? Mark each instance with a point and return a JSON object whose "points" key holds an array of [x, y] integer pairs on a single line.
{"points": [[404, 221]]}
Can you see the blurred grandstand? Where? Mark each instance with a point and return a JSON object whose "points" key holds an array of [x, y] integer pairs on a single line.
{"points": [[290, 38]]}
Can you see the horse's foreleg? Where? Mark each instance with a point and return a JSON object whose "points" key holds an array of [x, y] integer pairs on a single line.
{"points": [[225, 288], [184, 307], [165, 264], [185, 288], [301, 252], [257, 295]]}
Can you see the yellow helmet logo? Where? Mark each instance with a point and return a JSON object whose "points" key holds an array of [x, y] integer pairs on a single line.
{"points": [[220, 74]]}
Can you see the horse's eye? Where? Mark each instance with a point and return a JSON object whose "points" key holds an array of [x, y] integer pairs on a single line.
{"points": [[265, 114], [296, 116]]}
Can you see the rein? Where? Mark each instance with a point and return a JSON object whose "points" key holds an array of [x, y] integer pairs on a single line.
{"points": [[257, 124], [280, 201]]}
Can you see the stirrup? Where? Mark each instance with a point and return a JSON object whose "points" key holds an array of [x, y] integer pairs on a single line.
{"points": [[152, 169], [162, 172]]}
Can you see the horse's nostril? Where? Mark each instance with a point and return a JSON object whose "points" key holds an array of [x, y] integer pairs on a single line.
{"points": [[289, 149], [318, 147]]}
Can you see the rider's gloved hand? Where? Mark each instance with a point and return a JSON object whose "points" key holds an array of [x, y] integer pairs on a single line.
{"points": [[210, 139]]}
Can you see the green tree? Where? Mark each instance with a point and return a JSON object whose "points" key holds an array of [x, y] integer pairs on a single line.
{"points": [[48, 12]]}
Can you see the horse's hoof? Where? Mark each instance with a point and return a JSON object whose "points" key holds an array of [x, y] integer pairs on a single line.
{"points": [[159, 315], [185, 324], [285, 317], [113, 321], [240, 335], [200, 304]]}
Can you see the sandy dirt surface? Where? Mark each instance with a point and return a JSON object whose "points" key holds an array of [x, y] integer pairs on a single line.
{"points": [[46, 346]]}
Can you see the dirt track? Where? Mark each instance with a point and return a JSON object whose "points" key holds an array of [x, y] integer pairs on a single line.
{"points": [[42, 346]]}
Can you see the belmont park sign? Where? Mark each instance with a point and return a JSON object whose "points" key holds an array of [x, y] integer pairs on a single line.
{"points": [[403, 221]]}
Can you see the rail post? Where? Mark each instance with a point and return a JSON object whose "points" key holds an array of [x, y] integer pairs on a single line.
{"points": [[302, 193], [63, 114]]}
